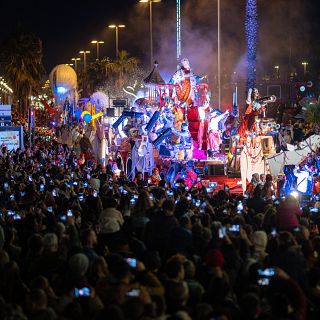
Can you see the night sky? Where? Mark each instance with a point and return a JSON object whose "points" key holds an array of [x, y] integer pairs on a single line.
{"points": [[66, 27]]}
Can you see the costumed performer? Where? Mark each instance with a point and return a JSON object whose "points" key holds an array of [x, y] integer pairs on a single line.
{"points": [[214, 139], [302, 179], [202, 116], [155, 177], [186, 82]]}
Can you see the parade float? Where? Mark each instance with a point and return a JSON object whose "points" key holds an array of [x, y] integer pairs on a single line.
{"points": [[173, 127], [64, 85], [164, 126]]}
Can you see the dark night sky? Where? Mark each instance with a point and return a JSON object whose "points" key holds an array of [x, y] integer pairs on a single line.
{"points": [[68, 26]]}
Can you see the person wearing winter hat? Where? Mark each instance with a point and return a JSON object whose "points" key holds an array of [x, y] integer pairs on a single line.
{"points": [[78, 264], [110, 226], [259, 240]]}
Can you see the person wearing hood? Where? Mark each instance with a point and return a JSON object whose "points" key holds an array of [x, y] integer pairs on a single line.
{"points": [[288, 213]]}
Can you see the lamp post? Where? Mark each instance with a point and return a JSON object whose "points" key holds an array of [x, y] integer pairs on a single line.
{"points": [[84, 52], [116, 27], [151, 37], [304, 63], [277, 71], [219, 55], [97, 43], [75, 63]]}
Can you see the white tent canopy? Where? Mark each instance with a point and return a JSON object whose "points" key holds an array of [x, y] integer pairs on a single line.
{"points": [[294, 157]]}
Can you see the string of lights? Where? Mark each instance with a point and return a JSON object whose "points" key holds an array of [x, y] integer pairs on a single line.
{"points": [[4, 86], [251, 26]]}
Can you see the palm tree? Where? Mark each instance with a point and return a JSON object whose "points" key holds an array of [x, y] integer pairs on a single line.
{"points": [[121, 67], [21, 62], [251, 25], [96, 73]]}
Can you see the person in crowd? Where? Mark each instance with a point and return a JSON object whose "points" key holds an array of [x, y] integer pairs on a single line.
{"points": [[268, 190], [298, 135], [262, 179], [287, 137], [139, 180], [255, 180], [288, 214], [257, 203], [155, 177]]}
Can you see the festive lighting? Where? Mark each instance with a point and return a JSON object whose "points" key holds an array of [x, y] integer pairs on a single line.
{"points": [[305, 64], [4, 86], [251, 25], [294, 194], [61, 90], [178, 18]]}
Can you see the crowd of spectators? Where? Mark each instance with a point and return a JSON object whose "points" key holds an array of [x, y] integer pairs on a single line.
{"points": [[77, 242], [295, 133]]}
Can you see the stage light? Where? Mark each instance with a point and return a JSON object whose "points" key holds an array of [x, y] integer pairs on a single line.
{"points": [[302, 88], [61, 90], [294, 194]]}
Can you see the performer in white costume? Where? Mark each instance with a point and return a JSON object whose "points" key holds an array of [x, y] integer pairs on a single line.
{"points": [[214, 139], [302, 179]]}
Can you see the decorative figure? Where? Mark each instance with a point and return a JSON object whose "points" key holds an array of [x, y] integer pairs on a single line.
{"points": [[202, 116], [214, 139], [256, 106], [186, 82]]}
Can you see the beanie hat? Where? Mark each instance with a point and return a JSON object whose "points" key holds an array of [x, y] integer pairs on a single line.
{"points": [[79, 264], [214, 258], [110, 226], [259, 240]]}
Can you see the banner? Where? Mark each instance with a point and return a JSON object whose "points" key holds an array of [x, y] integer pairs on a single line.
{"points": [[11, 137], [293, 156], [5, 115]]}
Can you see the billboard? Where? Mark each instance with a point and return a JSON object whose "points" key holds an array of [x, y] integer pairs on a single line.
{"points": [[119, 102], [5, 115], [11, 137]]}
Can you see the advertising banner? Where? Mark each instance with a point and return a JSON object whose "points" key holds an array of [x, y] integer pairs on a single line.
{"points": [[11, 137], [5, 115]]}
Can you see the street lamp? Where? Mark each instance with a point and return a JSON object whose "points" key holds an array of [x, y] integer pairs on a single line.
{"points": [[75, 63], [116, 27], [278, 72], [97, 43], [84, 52], [151, 38], [304, 63], [219, 53]]}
